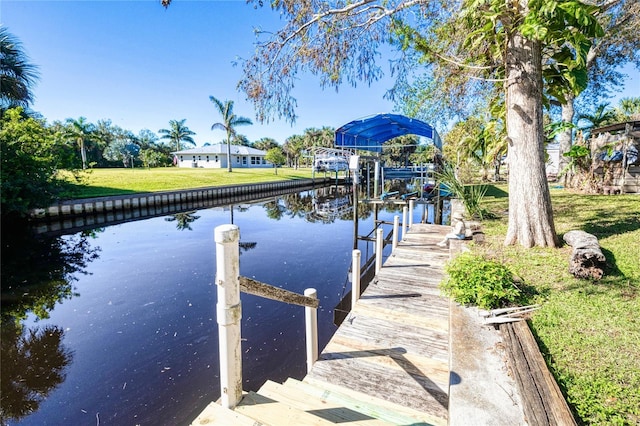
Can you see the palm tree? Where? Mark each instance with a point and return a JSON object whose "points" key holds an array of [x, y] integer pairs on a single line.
{"points": [[81, 131], [602, 115], [228, 124], [17, 75], [177, 133]]}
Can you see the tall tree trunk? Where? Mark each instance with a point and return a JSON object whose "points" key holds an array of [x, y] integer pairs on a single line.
{"points": [[530, 212], [565, 139], [229, 167], [83, 154]]}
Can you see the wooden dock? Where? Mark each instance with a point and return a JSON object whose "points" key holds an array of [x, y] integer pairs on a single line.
{"points": [[388, 363]]}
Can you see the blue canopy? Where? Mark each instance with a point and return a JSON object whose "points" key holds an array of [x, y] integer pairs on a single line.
{"points": [[371, 132]]}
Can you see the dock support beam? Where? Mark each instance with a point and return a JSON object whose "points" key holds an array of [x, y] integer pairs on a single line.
{"points": [[311, 328], [228, 313]]}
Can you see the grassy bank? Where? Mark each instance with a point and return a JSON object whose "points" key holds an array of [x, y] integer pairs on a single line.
{"points": [[588, 331], [104, 182]]}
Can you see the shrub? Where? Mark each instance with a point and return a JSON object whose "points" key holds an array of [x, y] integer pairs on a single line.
{"points": [[474, 280]]}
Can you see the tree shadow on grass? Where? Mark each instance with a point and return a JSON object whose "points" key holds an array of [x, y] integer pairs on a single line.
{"points": [[603, 228]]}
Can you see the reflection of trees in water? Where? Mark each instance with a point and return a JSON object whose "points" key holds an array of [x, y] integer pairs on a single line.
{"points": [[33, 364], [183, 220], [38, 271]]}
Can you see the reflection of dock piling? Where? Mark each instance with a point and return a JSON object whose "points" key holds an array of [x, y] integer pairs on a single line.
{"points": [[388, 362]]}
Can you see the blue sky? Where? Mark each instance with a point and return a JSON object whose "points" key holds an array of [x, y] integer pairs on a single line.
{"points": [[140, 65]]}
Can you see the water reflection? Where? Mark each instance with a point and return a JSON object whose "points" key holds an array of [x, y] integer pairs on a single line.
{"points": [[136, 302], [34, 361], [38, 273], [183, 220]]}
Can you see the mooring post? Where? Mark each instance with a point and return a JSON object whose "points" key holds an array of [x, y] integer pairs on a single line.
{"points": [[404, 222], [355, 277], [311, 328], [396, 224], [228, 313], [411, 205], [379, 242]]}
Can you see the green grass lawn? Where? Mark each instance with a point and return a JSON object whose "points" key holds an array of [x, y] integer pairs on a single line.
{"points": [[119, 181], [589, 332]]}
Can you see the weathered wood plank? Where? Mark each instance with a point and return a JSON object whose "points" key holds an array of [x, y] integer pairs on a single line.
{"points": [[251, 286], [543, 401], [364, 403], [414, 391], [395, 360]]}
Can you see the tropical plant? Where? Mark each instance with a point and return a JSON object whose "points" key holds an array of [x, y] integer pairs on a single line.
{"points": [[17, 74], [177, 133], [470, 195], [228, 123], [602, 115], [628, 109], [28, 176], [82, 132]]}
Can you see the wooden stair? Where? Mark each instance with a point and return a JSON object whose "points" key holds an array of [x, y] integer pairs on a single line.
{"points": [[313, 403]]}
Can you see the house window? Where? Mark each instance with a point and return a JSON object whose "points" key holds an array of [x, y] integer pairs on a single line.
{"points": [[264, 161], [216, 158], [237, 159], [244, 161], [181, 158], [255, 160], [207, 158], [199, 158]]}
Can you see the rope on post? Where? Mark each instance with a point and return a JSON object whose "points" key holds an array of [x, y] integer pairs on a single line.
{"points": [[228, 313], [311, 328]]}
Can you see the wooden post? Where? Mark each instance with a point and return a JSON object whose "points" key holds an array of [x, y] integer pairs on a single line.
{"points": [[396, 220], [311, 327], [355, 277], [411, 205], [379, 242], [228, 310], [404, 222]]}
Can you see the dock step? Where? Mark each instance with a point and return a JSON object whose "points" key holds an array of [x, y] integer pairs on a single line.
{"points": [[328, 410], [215, 414]]}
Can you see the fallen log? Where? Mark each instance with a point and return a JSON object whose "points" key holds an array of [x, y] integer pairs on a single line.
{"points": [[587, 260]]}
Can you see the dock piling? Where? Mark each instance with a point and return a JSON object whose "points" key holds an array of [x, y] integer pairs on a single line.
{"points": [[228, 313], [311, 327]]}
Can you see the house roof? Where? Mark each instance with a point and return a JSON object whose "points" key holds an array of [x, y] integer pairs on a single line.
{"points": [[221, 149], [371, 132], [634, 128]]}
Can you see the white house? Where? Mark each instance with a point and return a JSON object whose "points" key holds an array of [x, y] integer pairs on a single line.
{"points": [[553, 160], [215, 157]]}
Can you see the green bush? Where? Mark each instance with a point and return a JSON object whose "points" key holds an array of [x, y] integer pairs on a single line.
{"points": [[474, 280]]}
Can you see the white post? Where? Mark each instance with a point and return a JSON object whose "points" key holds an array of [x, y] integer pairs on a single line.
{"points": [[411, 205], [404, 222], [355, 276], [228, 312], [376, 178], [396, 224], [311, 328], [379, 238]]}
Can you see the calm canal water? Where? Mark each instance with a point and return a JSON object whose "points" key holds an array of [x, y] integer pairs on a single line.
{"points": [[117, 325]]}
